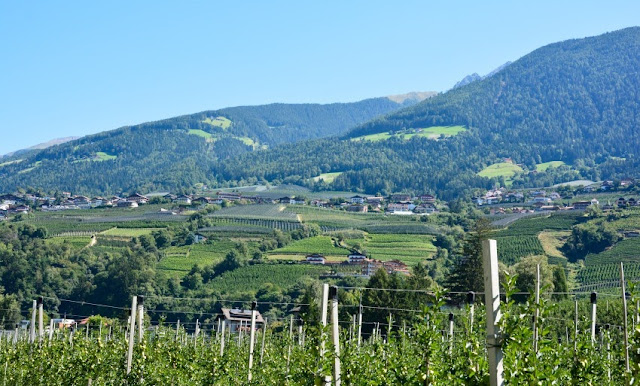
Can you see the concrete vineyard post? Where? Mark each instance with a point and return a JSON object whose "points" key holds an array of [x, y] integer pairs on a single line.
{"points": [[471, 299], [335, 335], [177, 329], [264, 335], [492, 301], [537, 314], [575, 328], [624, 315], [32, 327], [323, 315], [594, 300], [50, 330], [290, 342], [450, 332], [40, 320], [252, 337], [132, 327], [140, 317], [222, 339], [359, 325]]}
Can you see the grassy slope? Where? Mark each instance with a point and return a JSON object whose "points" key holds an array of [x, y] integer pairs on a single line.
{"points": [[504, 169], [551, 164], [430, 132]]}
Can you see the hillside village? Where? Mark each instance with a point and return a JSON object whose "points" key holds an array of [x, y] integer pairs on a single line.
{"points": [[493, 201]]}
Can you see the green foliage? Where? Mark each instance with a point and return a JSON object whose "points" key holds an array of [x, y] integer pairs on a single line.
{"points": [[589, 238], [513, 248]]}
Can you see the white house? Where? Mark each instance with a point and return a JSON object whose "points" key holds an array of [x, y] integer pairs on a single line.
{"points": [[357, 200]]}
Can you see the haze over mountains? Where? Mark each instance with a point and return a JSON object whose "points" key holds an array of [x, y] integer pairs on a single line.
{"points": [[575, 101]]}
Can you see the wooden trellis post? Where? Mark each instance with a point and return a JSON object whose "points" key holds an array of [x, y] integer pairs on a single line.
{"points": [[492, 301]]}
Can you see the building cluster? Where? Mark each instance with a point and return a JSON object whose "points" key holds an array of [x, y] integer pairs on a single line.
{"points": [[394, 204], [368, 265]]}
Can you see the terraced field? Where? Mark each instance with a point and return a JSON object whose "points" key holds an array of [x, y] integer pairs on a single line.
{"points": [[410, 249], [297, 250], [75, 242], [178, 261], [129, 232]]}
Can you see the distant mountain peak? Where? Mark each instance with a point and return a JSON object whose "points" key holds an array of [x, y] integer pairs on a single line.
{"points": [[475, 76], [43, 145], [415, 96]]}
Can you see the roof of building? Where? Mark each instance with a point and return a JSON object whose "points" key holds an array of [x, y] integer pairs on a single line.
{"points": [[235, 314]]}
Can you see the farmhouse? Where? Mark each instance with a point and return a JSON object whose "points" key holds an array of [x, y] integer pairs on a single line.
{"points": [[183, 200], [127, 204], [229, 196], [632, 202], [375, 202], [357, 208], [138, 198], [284, 200], [201, 200], [425, 209], [581, 205], [427, 199], [237, 319], [400, 207], [400, 197], [315, 259], [356, 258], [370, 266], [198, 238], [621, 201], [357, 199]]}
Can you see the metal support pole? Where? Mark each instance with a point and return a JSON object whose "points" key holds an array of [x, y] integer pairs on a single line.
{"points": [[492, 300], [132, 327]]}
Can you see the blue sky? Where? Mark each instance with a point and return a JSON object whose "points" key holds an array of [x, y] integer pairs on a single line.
{"points": [[79, 68]]}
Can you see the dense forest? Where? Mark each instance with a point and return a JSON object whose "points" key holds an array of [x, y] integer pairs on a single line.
{"points": [[575, 101], [179, 152]]}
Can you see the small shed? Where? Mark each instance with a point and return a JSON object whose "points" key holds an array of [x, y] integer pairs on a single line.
{"points": [[235, 319]]}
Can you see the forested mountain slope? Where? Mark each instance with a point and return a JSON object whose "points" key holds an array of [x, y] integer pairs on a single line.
{"points": [[576, 101], [178, 152]]}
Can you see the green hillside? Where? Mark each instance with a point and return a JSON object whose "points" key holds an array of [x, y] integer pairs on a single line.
{"points": [[573, 101], [179, 152]]}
